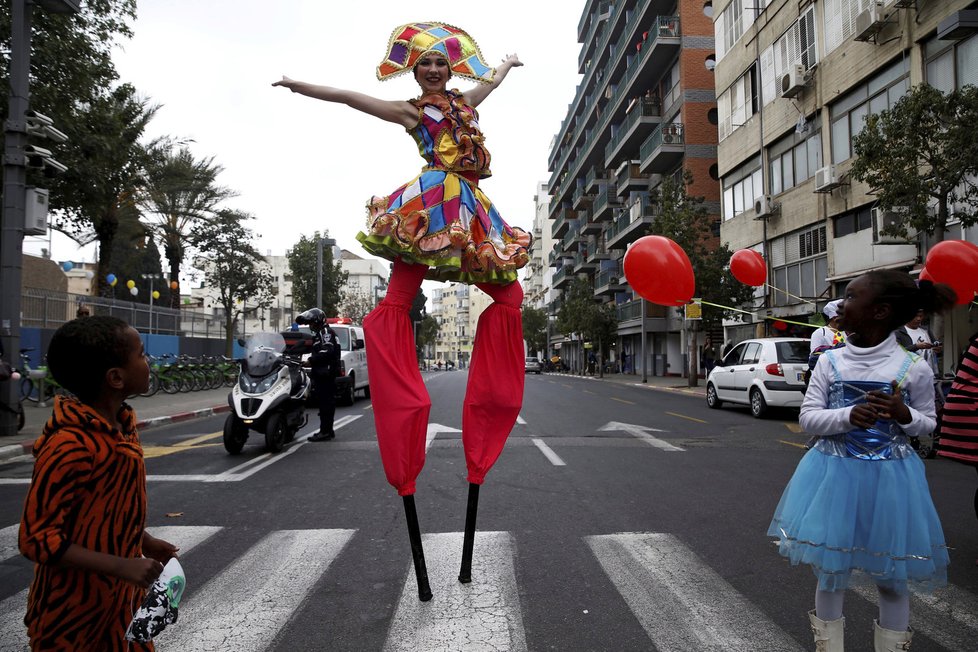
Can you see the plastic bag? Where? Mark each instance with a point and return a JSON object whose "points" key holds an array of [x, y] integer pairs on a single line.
{"points": [[159, 608]]}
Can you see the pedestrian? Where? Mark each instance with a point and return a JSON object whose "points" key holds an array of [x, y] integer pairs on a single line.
{"points": [[82, 311], [958, 427], [859, 499], [85, 514], [439, 225], [829, 335], [915, 337], [324, 365], [709, 355]]}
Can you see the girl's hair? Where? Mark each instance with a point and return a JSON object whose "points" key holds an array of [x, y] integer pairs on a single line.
{"points": [[907, 296], [82, 350]]}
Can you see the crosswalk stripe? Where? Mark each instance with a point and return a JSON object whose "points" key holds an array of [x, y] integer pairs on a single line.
{"points": [[244, 607], [939, 616], [13, 633], [8, 542], [548, 452], [681, 602], [483, 615]]}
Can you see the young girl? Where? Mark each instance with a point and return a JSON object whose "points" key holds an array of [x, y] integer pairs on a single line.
{"points": [[859, 499]]}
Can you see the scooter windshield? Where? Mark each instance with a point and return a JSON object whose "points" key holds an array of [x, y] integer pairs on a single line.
{"points": [[263, 351]]}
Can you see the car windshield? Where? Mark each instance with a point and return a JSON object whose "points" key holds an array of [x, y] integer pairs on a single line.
{"points": [[792, 351]]}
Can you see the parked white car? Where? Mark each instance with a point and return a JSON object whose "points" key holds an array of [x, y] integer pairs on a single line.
{"points": [[761, 373]]}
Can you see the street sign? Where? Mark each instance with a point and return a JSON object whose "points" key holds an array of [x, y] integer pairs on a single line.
{"points": [[694, 311]]}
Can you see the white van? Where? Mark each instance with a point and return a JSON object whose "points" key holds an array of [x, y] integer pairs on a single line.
{"points": [[353, 375]]}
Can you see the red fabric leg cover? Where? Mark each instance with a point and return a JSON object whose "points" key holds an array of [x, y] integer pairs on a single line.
{"points": [[400, 400], [494, 394]]}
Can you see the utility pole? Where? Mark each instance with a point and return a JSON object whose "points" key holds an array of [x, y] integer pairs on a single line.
{"points": [[15, 161]]}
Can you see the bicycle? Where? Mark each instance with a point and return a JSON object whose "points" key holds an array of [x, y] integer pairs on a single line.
{"points": [[31, 390]]}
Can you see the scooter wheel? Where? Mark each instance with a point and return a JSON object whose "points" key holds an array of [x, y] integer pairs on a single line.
{"points": [[235, 434], [275, 433]]}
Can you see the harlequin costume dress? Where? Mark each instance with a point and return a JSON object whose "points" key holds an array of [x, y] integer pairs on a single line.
{"points": [[441, 226]]}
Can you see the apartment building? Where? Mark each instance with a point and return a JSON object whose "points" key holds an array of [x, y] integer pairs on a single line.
{"points": [[644, 111], [794, 83], [457, 308], [538, 274]]}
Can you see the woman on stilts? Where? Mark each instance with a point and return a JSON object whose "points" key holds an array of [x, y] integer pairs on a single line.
{"points": [[440, 226]]}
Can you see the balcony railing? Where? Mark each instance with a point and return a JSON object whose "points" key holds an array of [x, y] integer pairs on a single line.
{"points": [[630, 310]]}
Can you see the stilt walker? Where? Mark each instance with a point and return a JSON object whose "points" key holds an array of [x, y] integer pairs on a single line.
{"points": [[440, 226]]}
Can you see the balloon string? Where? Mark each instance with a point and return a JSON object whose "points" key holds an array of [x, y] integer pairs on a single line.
{"points": [[789, 294], [748, 312]]}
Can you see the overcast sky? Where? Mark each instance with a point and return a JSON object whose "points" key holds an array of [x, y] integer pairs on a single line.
{"points": [[300, 164]]}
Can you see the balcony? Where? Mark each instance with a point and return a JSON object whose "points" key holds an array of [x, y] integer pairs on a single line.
{"points": [[632, 310], [609, 282], [569, 243], [582, 264], [641, 117], [562, 220], [598, 252], [604, 203], [629, 178], [563, 277], [659, 48], [581, 198], [595, 178], [590, 227], [631, 224], [664, 149]]}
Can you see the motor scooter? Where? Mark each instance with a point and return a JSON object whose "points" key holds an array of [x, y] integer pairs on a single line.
{"points": [[269, 397]]}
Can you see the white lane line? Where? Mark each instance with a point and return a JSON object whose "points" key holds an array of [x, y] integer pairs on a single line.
{"points": [[245, 607], [681, 602], [520, 420], [432, 432], [13, 633], [483, 615], [949, 615], [8, 542], [548, 452]]}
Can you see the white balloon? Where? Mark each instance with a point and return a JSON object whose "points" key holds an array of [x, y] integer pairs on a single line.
{"points": [[89, 274], [133, 291]]}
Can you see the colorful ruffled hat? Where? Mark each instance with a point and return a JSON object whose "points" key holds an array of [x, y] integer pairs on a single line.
{"points": [[410, 42]]}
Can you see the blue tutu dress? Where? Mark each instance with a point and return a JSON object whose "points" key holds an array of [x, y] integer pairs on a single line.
{"points": [[860, 501]]}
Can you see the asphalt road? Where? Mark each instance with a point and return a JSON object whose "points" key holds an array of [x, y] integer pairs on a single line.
{"points": [[617, 518]]}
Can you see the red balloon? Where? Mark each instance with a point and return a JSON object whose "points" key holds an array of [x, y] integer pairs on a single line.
{"points": [[780, 325], [954, 262], [925, 275], [659, 270], [965, 294], [748, 267]]}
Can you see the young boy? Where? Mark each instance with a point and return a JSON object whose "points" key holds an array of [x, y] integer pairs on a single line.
{"points": [[85, 512]]}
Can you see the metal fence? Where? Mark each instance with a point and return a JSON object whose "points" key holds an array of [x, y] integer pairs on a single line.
{"points": [[50, 309]]}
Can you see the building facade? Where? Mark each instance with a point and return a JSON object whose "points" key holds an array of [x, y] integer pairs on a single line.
{"points": [[457, 308]]}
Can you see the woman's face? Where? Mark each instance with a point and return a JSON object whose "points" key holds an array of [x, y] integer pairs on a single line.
{"points": [[432, 73]]}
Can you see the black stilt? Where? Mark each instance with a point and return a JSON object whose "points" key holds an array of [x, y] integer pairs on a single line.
{"points": [[417, 551], [465, 575]]}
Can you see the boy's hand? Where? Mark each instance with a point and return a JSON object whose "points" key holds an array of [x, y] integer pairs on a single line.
{"points": [[140, 571], [158, 549], [890, 406]]}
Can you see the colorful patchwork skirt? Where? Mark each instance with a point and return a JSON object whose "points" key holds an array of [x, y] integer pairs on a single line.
{"points": [[443, 220]]}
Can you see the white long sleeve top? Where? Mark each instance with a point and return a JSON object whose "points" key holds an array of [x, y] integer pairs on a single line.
{"points": [[823, 336], [878, 363]]}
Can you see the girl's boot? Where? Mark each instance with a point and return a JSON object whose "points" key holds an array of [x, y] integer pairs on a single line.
{"points": [[889, 640], [829, 634]]}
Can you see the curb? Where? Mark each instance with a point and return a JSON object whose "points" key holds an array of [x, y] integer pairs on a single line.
{"points": [[24, 448], [699, 390]]}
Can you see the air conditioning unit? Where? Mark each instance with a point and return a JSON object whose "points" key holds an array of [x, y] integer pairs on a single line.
{"points": [[885, 220], [794, 81], [826, 179], [763, 207], [36, 212], [870, 22], [669, 138]]}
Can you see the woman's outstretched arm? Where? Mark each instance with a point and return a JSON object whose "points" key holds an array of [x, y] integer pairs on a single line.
{"points": [[474, 96], [398, 112]]}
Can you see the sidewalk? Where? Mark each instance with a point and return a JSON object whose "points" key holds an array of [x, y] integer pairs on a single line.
{"points": [[152, 411], [163, 408]]}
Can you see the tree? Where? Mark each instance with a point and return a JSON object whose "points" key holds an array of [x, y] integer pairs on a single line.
{"points": [[686, 221], [134, 254], [302, 264], [355, 304], [921, 152], [596, 323], [179, 192], [535, 328], [427, 333], [232, 266]]}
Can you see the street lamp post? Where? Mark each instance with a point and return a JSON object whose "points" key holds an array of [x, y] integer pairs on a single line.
{"points": [[151, 277]]}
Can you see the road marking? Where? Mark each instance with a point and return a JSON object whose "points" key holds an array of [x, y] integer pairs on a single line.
{"points": [[548, 452], [8, 542], [433, 430], [245, 606], [683, 416], [13, 634], [943, 616], [794, 427], [621, 400], [681, 602], [150, 452], [641, 432], [483, 615], [792, 443], [520, 420]]}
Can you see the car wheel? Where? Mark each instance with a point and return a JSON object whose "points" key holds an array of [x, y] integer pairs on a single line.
{"points": [[274, 433], [366, 391], [758, 406], [712, 400], [235, 434], [349, 394]]}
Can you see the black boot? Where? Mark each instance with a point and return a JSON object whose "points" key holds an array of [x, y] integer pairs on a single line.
{"points": [[323, 436]]}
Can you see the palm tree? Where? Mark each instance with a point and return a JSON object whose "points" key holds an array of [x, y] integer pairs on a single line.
{"points": [[179, 191]]}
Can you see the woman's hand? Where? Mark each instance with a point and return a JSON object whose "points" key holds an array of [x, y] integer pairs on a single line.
{"points": [[890, 406], [286, 82], [512, 60], [158, 549]]}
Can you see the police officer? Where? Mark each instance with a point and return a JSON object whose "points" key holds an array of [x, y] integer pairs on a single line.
{"points": [[324, 363]]}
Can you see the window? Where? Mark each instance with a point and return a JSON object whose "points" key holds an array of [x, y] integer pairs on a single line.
{"points": [[800, 265], [753, 353], [849, 113], [737, 104], [794, 160], [734, 21], [851, 222], [796, 46], [741, 187], [951, 65]]}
